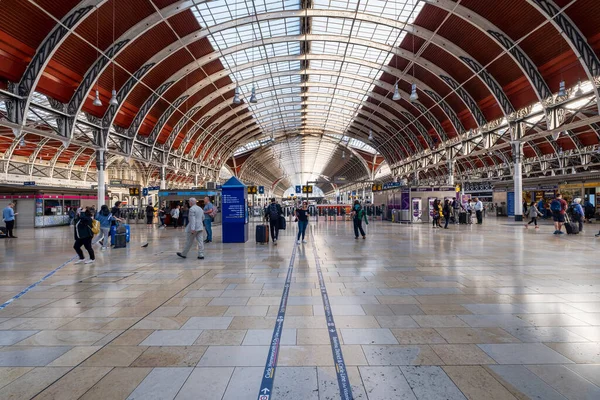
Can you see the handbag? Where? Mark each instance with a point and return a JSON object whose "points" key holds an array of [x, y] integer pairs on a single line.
{"points": [[95, 226]]}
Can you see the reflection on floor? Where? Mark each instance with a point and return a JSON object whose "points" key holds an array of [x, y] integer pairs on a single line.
{"points": [[477, 312]]}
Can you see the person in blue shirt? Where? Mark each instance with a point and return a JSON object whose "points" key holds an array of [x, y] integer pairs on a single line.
{"points": [[8, 215], [577, 213], [209, 216]]}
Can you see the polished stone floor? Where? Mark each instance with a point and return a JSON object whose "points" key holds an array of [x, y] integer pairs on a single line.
{"points": [[476, 312]]}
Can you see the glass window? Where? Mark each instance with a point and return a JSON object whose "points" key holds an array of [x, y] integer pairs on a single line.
{"points": [[71, 204], [52, 207]]}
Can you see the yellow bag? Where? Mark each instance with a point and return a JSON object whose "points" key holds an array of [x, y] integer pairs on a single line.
{"points": [[95, 227]]}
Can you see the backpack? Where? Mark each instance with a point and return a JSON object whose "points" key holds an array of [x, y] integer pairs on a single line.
{"points": [[573, 210], [95, 226], [273, 213], [361, 214], [555, 206]]}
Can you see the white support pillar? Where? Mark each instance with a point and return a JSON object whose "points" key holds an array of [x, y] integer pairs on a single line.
{"points": [[163, 178], [100, 167], [451, 172], [517, 150], [196, 180]]}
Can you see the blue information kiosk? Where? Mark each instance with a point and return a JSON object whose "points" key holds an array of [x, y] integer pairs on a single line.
{"points": [[235, 219]]}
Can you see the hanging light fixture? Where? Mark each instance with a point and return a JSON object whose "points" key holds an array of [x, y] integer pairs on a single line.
{"points": [[396, 95], [562, 91], [370, 134], [22, 142], [343, 154], [413, 93], [113, 97], [579, 91], [236, 96], [97, 102], [253, 96]]}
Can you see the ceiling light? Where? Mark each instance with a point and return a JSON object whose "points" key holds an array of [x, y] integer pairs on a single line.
{"points": [[253, 96], [22, 142], [236, 96], [16, 131], [555, 135], [396, 95], [579, 91], [370, 134], [413, 94], [113, 98], [97, 101], [562, 91], [343, 154]]}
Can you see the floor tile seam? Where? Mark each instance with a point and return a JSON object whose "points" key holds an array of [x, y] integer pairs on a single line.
{"points": [[345, 391], [483, 367], [554, 365], [113, 339]]}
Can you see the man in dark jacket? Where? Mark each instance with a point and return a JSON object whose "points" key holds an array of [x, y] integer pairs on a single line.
{"points": [[272, 213], [83, 236]]}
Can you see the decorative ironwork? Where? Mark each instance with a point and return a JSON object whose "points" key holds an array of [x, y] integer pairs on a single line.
{"points": [[539, 84], [146, 107], [163, 119], [467, 99], [432, 120], [419, 127], [93, 74], [491, 83]]}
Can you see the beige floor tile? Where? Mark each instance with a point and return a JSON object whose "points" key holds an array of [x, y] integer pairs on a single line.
{"points": [[33, 382], [117, 384], [461, 354], [444, 309], [9, 374], [240, 323], [209, 311], [170, 356], [74, 384], [320, 355], [397, 299], [477, 384], [581, 353], [292, 311], [75, 356], [132, 337], [115, 356], [221, 337], [161, 322], [476, 335], [312, 337], [417, 336]]}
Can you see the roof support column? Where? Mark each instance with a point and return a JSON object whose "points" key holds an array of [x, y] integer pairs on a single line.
{"points": [[163, 177], [517, 131], [451, 172], [100, 168]]}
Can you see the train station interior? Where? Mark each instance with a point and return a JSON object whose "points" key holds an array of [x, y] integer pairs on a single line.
{"points": [[303, 199]]}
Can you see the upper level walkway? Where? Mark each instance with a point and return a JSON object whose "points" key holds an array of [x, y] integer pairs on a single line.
{"points": [[478, 312]]}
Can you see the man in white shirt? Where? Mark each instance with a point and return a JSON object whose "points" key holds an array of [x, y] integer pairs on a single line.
{"points": [[175, 216], [193, 230], [479, 210]]}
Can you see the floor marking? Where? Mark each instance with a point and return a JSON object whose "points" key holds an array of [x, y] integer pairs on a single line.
{"points": [[28, 288], [336, 349], [266, 386]]}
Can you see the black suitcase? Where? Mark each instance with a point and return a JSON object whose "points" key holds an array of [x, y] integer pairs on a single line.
{"points": [[572, 228], [262, 234], [462, 218], [282, 224], [120, 240], [3, 232]]}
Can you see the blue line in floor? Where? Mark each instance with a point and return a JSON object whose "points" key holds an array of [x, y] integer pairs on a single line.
{"points": [[336, 349], [266, 386], [28, 288]]}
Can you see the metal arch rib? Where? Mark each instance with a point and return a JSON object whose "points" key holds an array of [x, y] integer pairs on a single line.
{"points": [[527, 66], [45, 52]]}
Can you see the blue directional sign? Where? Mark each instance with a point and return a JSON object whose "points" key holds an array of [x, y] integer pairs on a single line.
{"points": [[145, 192], [261, 190], [299, 189]]}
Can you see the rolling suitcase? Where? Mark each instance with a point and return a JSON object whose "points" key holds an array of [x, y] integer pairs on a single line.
{"points": [[262, 234], [120, 240], [120, 228], [282, 224], [3, 232], [572, 228], [462, 218]]}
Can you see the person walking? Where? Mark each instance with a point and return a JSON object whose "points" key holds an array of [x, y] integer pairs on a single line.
{"points": [[8, 215], [272, 214], [577, 213], [534, 213], [193, 230], [149, 215], [185, 211], [209, 216], [437, 214], [302, 219], [447, 211], [83, 236], [455, 210], [558, 206], [175, 216], [357, 217], [478, 210], [105, 217]]}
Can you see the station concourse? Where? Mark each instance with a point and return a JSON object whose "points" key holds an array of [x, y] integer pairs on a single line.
{"points": [[463, 136]]}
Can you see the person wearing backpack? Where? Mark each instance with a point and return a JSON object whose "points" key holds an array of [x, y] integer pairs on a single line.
{"points": [[534, 213], [302, 219], [105, 217], [357, 217], [558, 206], [272, 214], [83, 236], [577, 213], [447, 211]]}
